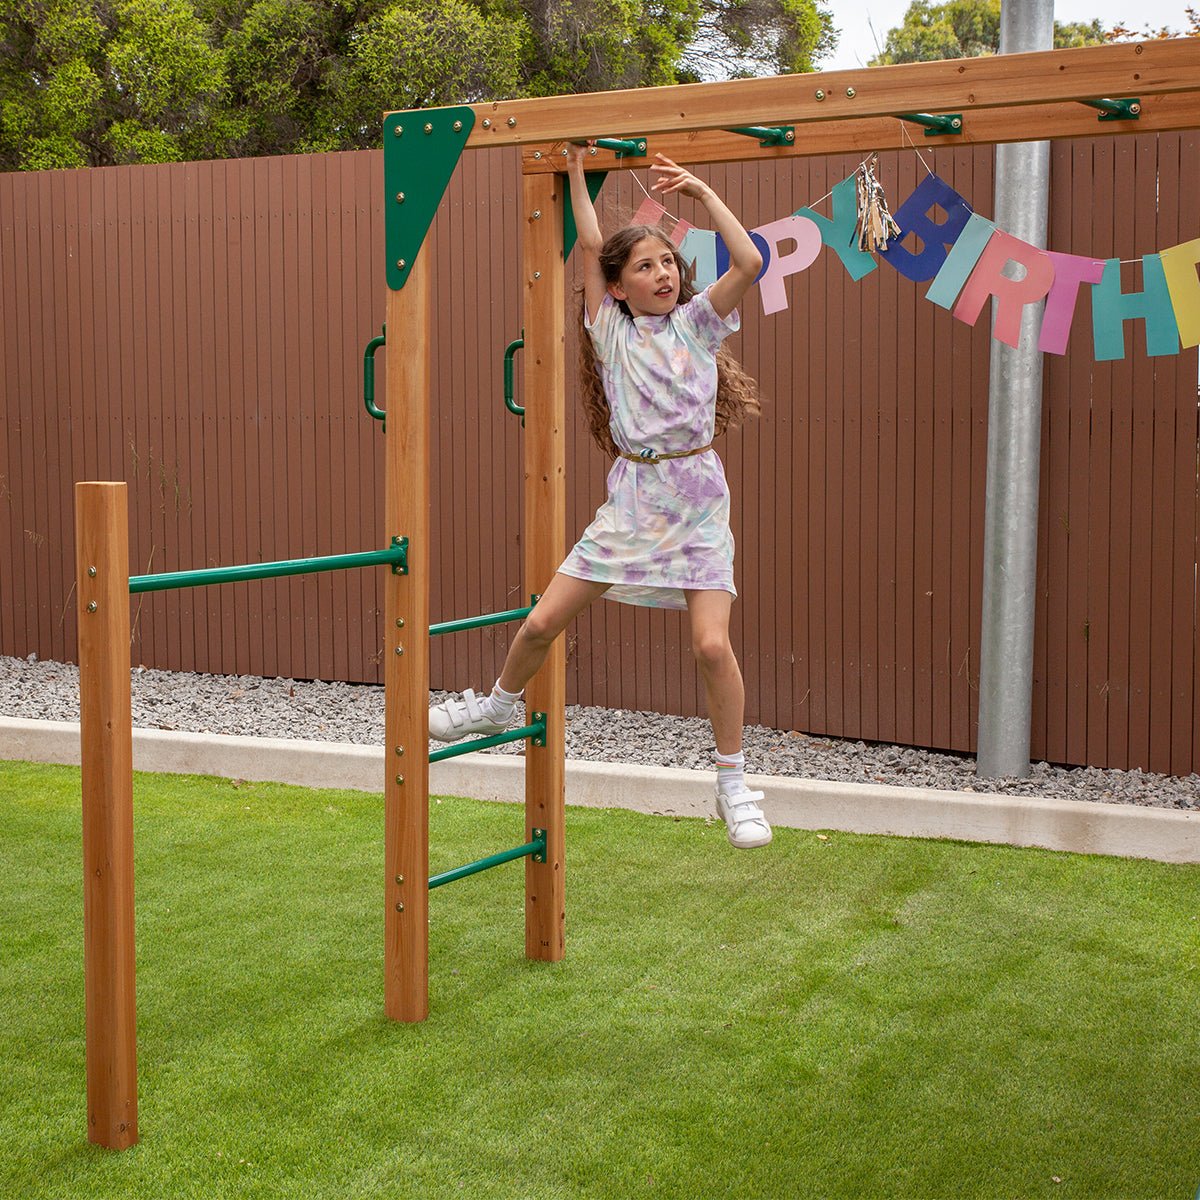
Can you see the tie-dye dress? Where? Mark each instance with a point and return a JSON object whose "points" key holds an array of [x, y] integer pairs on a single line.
{"points": [[664, 528]]}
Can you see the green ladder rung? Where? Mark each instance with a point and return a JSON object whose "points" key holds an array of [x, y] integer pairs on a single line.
{"points": [[536, 849], [500, 618], [396, 556], [536, 731]]}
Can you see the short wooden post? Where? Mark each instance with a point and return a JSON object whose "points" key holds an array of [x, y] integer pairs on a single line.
{"points": [[545, 545], [406, 649], [106, 746]]}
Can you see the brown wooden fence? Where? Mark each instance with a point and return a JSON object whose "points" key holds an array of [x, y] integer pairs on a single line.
{"points": [[198, 331]]}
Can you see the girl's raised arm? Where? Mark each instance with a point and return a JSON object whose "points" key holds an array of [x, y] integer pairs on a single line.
{"points": [[745, 261], [587, 228]]}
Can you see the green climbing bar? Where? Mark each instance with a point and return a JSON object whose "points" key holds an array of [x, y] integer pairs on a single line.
{"points": [[500, 618], [537, 848], [537, 731], [396, 555]]}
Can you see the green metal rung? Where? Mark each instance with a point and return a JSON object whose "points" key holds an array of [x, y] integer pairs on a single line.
{"points": [[1117, 110], [369, 376], [500, 618], [536, 733], [936, 125], [397, 556], [535, 849], [768, 135], [420, 151]]}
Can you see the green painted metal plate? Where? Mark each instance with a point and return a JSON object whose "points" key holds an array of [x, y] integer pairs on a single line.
{"points": [[595, 181], [420, 151]]}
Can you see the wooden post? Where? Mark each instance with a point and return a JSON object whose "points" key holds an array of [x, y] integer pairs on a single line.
{"points": [[406, 649], [106, 747], [544, 541]]}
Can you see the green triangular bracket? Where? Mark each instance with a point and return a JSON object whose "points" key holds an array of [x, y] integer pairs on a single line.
{"points": [[421, 148], [595, 181]]}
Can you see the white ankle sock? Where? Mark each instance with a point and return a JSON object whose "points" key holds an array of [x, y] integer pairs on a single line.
{"points": [[731, 772], [499, 705]]}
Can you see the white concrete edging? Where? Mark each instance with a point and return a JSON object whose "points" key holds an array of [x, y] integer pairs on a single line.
{"points": [[1168, 835]]}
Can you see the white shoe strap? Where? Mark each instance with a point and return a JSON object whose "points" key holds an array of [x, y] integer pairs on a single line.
{"points": [[471, 703]]}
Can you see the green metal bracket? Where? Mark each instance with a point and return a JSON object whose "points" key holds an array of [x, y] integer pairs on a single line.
{"points": [[595, 181], [513, 346], [420, 152], [539, 719], [400, 568], [369, 376], [936, 126], [768, 135], [539, 835], [624, 147], [1117, 110]]}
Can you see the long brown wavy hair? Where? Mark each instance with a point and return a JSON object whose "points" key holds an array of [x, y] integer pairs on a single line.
{"points": [[737, 392]]}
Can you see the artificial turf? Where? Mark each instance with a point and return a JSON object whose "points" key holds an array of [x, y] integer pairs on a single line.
{"points": [[833, 1016]]}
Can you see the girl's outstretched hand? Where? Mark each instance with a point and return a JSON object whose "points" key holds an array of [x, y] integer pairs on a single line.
{"points": [[671, 177]]}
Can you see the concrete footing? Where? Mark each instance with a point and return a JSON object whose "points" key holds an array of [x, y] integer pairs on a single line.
{"points": [[1168, 835]]}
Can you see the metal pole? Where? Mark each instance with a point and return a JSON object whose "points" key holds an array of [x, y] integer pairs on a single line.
{"points": [[1014, 448]]}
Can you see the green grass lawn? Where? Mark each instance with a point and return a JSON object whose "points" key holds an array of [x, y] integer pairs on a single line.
{"points": [[836, 1016]]}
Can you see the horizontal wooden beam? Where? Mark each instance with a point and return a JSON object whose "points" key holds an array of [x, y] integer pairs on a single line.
{"points": [[956, 85], [1030, 122]]}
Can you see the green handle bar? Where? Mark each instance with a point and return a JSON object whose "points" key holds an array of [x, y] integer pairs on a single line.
{"points": [[513, 346], [369, 375]]}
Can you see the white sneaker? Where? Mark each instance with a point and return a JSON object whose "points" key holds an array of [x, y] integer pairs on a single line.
{"points": [[454, 719], [743, 818]]}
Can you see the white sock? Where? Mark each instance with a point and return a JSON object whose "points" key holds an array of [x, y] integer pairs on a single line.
{"points": [[499, 705], [731, 773]]}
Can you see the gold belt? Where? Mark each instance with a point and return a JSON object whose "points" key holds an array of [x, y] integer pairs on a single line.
{"points": [[652, 456]]}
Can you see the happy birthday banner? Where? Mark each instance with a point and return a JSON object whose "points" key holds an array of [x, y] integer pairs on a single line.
{"points": [[966, 256]]}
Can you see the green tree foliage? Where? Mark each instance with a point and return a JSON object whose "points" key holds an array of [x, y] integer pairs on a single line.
{"points": [[965, 29], [93, 82]]}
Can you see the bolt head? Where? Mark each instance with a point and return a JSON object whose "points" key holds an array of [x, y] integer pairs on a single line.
{"points": [[93, 606], [402, 263], [487, 124], [537, 274], [511, 122], [399, 197], [399, 622], [820, 93], [400, 779], [428, 127], [850, 92], [398, 130], [458, 127], [537, 214]]}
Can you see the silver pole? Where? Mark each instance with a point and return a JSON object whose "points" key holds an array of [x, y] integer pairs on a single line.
{"points": [[1014, 448]]}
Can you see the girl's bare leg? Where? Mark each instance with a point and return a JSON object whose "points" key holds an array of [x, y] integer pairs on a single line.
{"points": [[708, 613], [561, 602]]}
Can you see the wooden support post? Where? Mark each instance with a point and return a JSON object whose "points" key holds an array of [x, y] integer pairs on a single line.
{"points": [[106, 747], [406, 649], [545, 545]]}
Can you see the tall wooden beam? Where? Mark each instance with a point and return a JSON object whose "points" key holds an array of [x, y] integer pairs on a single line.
{"points": [[106, 748], [1030, 122], [957, 85], [406, 650], [545, 546]]}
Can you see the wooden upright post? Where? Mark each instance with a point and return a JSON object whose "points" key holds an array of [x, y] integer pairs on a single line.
{"points": [[545, 546], [106, 747], [406, 649]]}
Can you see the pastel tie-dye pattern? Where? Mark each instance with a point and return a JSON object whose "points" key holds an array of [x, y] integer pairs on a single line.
{"points": [[664, 528]]}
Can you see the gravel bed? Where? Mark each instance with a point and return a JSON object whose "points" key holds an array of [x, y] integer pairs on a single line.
{"points": [[342, 712]]}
